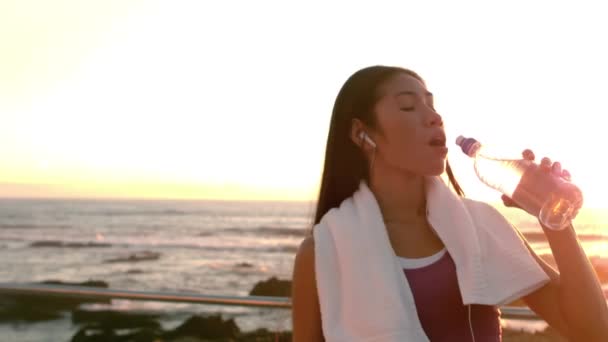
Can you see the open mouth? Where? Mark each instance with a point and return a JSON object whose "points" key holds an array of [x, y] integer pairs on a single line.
{"points": [[437, 142]]}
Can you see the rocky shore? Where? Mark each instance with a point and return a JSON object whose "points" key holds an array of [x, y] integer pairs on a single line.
{"points": [[120, 326]]}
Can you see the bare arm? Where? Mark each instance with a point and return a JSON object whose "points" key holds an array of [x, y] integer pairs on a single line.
{"points": [[573, 302], [544, 300], [306, 314]]}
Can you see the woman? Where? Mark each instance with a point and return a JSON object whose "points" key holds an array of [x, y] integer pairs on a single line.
{"points": [[385, 131]]}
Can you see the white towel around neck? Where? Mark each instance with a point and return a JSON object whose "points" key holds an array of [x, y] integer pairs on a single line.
{"points": [[363, 292]]}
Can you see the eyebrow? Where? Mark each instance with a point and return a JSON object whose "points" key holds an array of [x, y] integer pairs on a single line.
{"points": [[408, 92]]}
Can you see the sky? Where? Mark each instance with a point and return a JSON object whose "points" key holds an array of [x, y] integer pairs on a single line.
{"points": [[232, 99]]}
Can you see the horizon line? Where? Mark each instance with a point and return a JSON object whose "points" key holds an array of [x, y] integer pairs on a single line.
{"points": [[186, 199], [109, 198]]}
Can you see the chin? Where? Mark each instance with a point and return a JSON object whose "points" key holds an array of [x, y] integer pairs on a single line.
{"points": [[426, 167], [436, 170]]}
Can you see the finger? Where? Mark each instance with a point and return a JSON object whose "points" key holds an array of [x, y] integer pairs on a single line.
{"points": [[528, 154], [545, 164], [507, 201], [556, 168], [566, 175]]}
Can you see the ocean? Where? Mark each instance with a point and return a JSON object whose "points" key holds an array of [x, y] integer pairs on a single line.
{"points": [[207, 247]]}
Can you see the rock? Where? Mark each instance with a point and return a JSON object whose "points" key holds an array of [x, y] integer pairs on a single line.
{"points": [[66, 303], [63, 244], [205, 327], [134, 271], [244, 265], [112, 319], [13, 310], [135, 257], [33, 308], [194, 329], [272, 287], [94, 334], [144, 335], [91, 283]]}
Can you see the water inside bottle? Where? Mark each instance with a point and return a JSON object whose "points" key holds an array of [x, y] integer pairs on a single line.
{"points": [[557, 212], [552, 199]]}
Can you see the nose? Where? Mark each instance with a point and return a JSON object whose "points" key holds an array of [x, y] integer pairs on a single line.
{"points": [[434, 119]]}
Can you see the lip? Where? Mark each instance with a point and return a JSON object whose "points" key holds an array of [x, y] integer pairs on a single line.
{"points": [[439, 136], [442, 150]]}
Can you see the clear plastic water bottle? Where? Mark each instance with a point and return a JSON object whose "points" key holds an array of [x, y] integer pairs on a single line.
{"points": [[553, 200]]}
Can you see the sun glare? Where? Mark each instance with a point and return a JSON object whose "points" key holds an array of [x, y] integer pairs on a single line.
{"points": [[101, 100]]}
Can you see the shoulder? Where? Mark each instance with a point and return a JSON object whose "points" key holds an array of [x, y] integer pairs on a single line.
{"points": [[306, 310], [306, 250], [304, 263], [304, 287]]}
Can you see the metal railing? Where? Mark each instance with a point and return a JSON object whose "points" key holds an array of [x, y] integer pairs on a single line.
{"points": [[98, 293], [86, 292]]}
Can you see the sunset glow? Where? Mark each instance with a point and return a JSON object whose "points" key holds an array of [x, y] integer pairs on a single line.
{"points": [[160, 99]]}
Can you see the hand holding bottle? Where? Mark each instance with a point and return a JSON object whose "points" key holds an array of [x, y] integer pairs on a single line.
{"points": [[554, 168], [544, 191]]}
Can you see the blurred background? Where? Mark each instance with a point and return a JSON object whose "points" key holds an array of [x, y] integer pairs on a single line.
{"points": [[195, 131]]}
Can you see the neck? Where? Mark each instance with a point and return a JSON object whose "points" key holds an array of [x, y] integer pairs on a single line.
{"points": [[401, 196]]}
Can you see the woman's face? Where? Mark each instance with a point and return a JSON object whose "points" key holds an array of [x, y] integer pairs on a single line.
{"points": [[410, 135]]}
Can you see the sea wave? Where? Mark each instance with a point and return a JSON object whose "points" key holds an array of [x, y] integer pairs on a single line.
{"points": [[265, 230], [278, 248], [68, 244], [32, 226], [163, 212]]}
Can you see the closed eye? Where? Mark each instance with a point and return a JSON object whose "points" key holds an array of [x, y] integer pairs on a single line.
{"points": [[409, 109], [413, 99]]}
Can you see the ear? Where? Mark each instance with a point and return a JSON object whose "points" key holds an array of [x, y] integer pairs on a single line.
{"points": [[356, 128]]}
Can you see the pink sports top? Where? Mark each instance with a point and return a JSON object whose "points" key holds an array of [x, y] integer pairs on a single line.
{"points": [[439, 304]]}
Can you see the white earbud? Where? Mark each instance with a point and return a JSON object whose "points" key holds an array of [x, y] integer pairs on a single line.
{"points": [[364, 136]]}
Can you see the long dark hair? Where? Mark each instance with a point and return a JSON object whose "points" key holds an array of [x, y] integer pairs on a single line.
{"points": [[345, 164]]}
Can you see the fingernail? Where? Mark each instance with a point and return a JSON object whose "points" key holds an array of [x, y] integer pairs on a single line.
{"points": [[528, 154], [545, 162], [557, 168]]}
